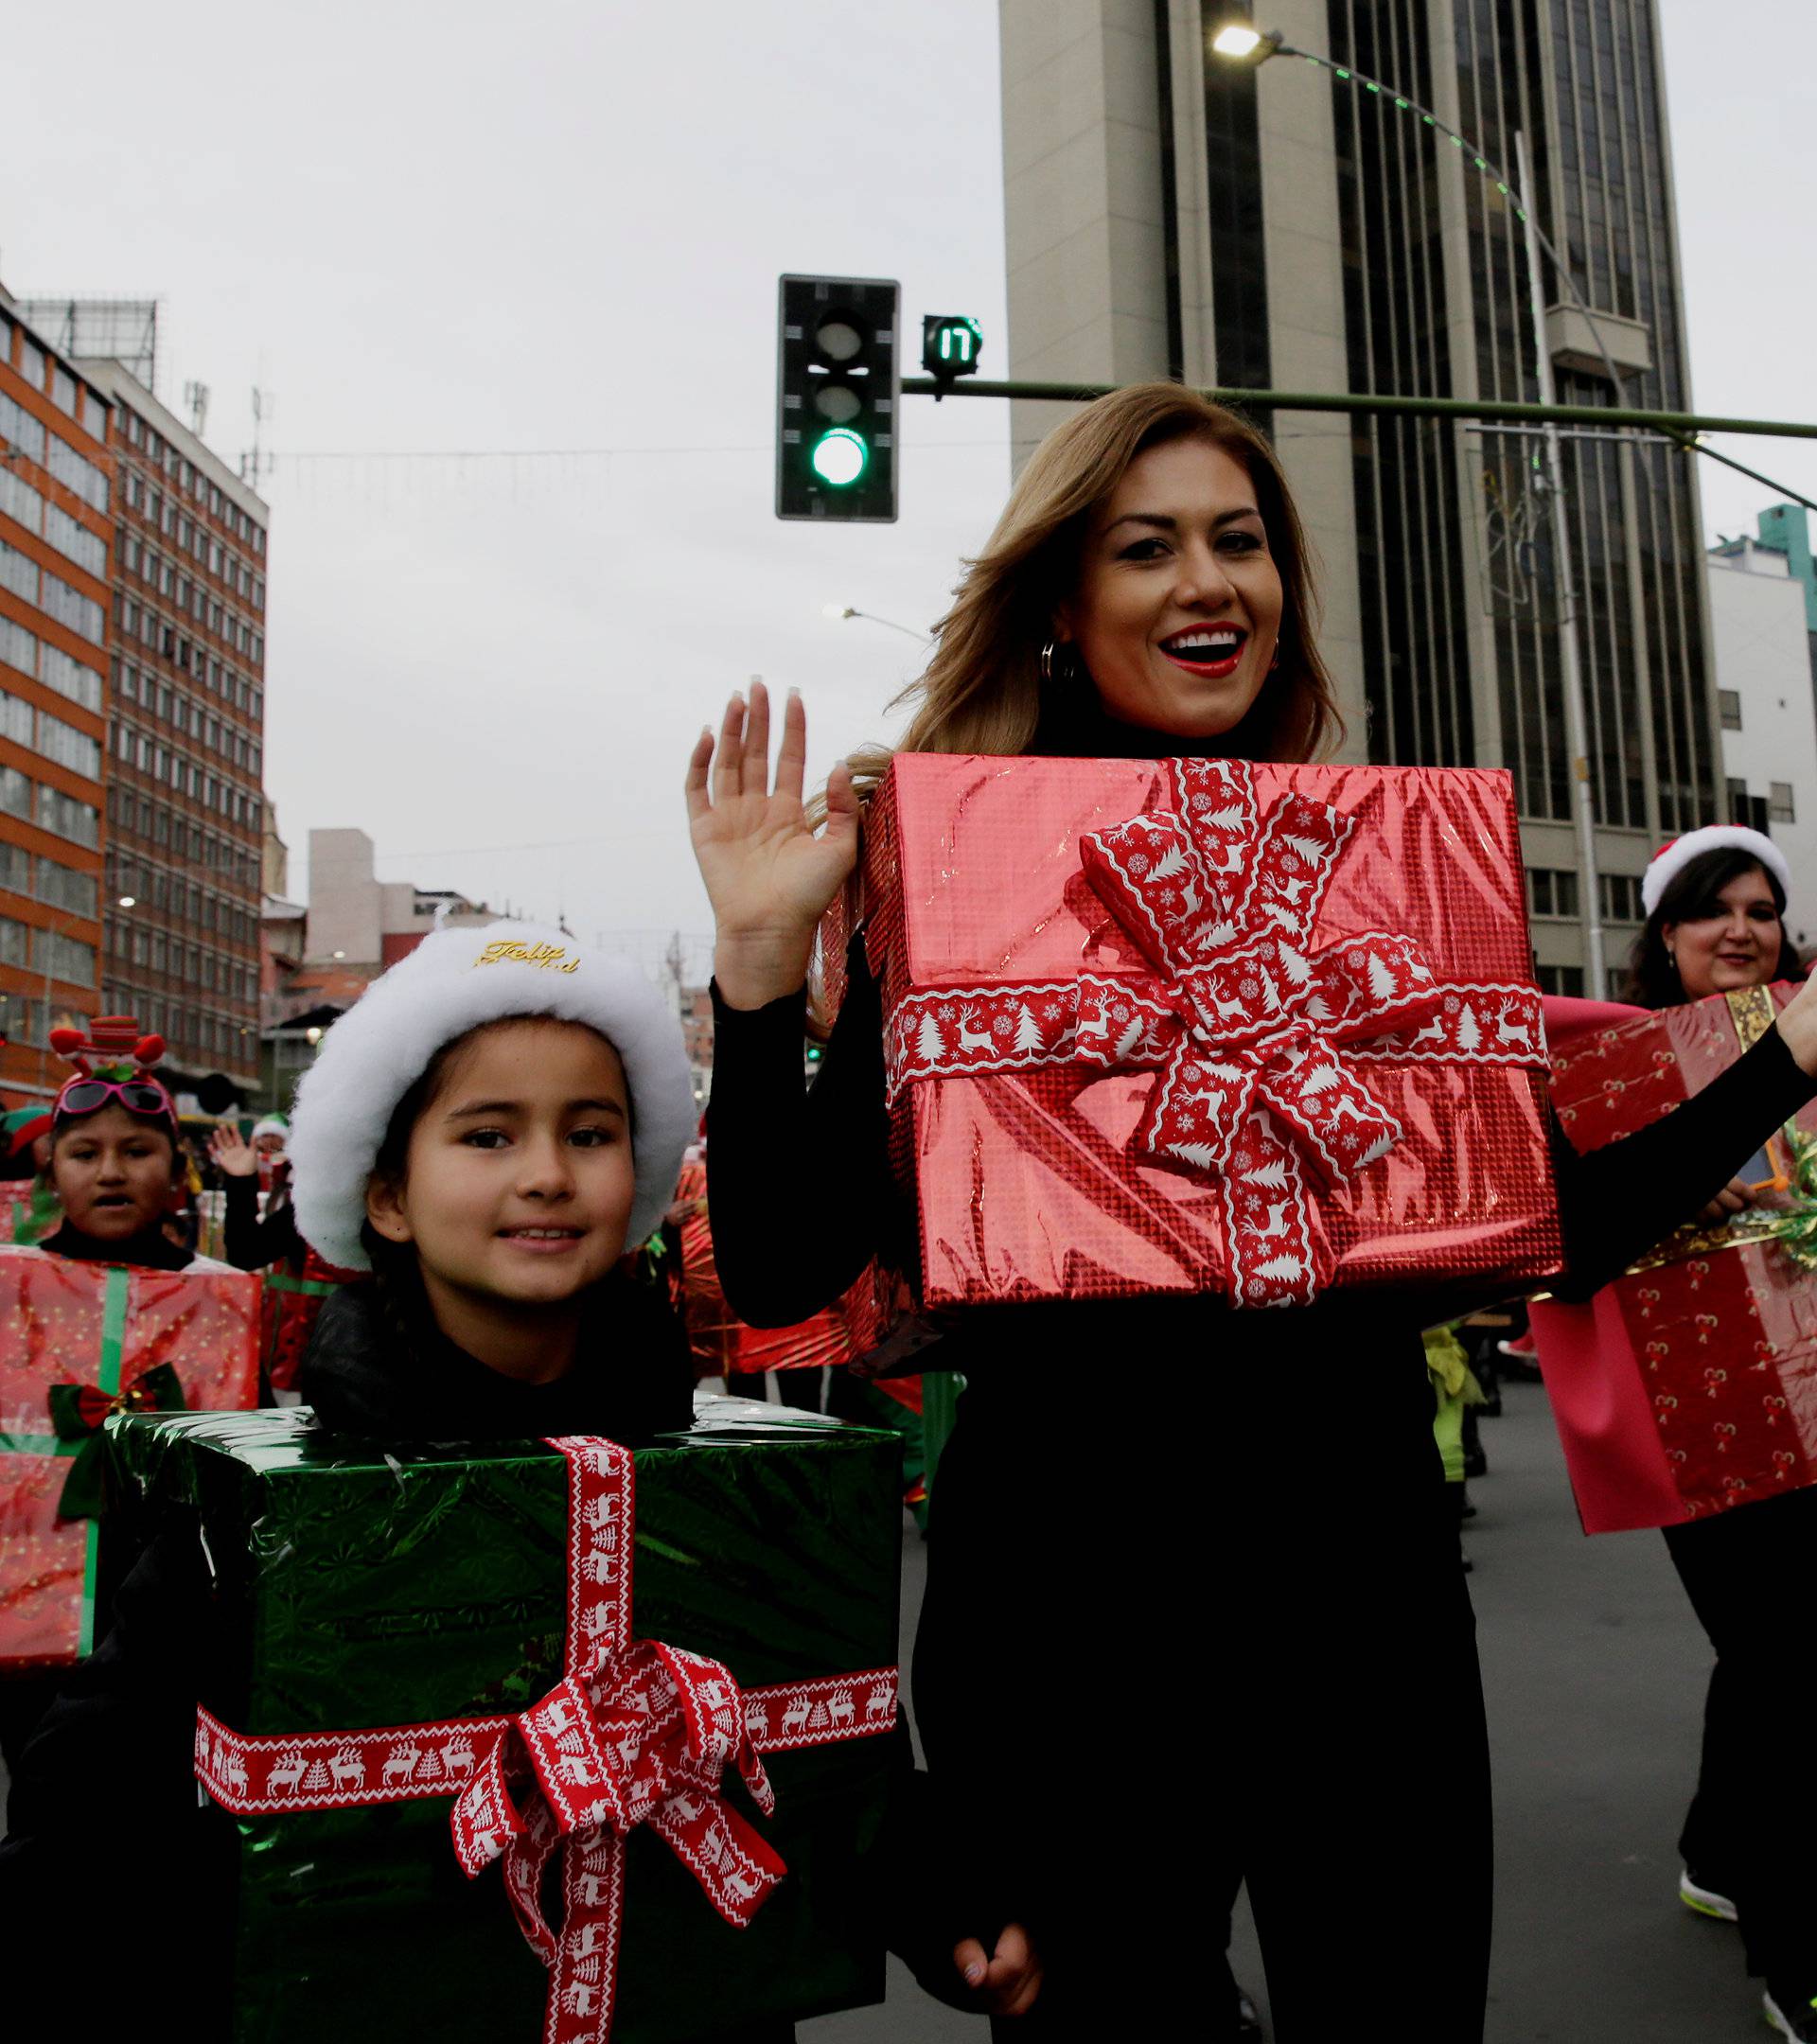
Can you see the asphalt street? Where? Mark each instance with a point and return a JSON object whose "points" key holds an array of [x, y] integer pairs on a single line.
{"points": [[1594, 1671]]}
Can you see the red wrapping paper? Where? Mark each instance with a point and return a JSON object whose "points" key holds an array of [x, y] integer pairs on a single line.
{"points": [[203, 1321], [1689, 1387], [974, 883]]}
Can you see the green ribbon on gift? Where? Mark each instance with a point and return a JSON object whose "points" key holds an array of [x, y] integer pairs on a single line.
{"points": [[310, 1287]]}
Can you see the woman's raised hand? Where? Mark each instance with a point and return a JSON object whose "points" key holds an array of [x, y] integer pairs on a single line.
{"points": [[768, 876]]}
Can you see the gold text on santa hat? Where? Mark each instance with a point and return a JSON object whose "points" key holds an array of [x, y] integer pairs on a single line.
{"points": [[549, 958]]}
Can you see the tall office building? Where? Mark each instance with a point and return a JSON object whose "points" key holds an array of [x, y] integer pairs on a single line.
{"points": [[185, 741], [1169, 213], [55, 568]]}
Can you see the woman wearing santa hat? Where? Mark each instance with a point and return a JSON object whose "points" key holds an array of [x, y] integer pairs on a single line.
{"points": [[1716, 906]]}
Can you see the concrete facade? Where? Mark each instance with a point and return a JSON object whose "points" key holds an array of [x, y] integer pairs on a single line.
{"points": [[1322, 238], [363, 922], [1770, 734]]}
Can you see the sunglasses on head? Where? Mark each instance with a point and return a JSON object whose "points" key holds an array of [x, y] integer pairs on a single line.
{"points": [[137, 1096]]}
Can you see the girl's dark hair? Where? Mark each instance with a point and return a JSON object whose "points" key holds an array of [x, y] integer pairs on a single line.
{"points": [[1692, 893]]}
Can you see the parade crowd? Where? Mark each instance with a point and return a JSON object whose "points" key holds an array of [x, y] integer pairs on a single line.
{"points": [[362, 1491]]}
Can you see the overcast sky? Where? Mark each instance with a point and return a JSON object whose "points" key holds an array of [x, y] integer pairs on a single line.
{"points": [[454, 227]]}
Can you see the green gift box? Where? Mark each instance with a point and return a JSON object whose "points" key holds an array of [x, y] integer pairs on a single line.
{"points": [[386, 1622]]}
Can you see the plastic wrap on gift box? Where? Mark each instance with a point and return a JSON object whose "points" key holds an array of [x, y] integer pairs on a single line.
{"points": [[361, 1588], [105, 1327], [1689, 1386], [1070, 1033]]}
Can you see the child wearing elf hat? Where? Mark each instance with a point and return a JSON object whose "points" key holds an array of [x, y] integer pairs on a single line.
{"points": [[115, 1161]]}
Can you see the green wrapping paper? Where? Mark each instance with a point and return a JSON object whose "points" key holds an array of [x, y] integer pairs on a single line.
{"points": [[356, 1587]]}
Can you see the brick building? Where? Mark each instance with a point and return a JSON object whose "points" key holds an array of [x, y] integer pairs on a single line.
{"points": [[185, 741], [55, 571]]}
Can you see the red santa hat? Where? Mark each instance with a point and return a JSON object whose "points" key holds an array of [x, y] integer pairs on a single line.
{"points": [[1671, 859]]}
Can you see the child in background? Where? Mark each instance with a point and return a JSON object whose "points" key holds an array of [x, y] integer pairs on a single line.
{"points": [[115, 1143], [33, 1212], [113, 1140], [248, 1167]]}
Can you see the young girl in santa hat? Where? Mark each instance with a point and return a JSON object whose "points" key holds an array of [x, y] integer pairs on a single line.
{"points": [[486, 1132], [489, 1131]]}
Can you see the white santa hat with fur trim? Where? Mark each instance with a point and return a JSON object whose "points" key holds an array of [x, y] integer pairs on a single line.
{"points": [[451, 982], [1670, 860]]}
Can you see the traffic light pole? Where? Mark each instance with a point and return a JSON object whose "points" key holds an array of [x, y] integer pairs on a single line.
{"points": [[1680, 424]]}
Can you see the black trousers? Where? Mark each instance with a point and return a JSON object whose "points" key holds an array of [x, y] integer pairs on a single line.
{"points": [[1748, 1830], [1155, 1663]]}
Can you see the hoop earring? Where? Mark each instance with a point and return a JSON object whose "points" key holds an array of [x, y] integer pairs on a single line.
{"points": [[1045, 661]]}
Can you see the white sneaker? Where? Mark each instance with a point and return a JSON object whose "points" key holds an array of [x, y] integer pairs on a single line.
{"points": [[1705, 1901]]}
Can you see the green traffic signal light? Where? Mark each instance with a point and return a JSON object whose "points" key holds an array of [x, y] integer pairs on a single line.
{"points": [[839, 457], [838, 392]]}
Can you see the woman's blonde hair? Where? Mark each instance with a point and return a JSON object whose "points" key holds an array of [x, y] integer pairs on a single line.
{"points": [[981, 690]]}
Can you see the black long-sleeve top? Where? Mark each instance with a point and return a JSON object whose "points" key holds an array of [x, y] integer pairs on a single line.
{"points": [[151, 1249], [250, 1243]]}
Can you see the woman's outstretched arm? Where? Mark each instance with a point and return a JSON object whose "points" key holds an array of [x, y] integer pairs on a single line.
{"points": [[1618, 1202]]}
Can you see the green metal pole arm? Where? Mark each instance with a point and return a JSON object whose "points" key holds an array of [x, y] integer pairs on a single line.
{"points": [[1684, 423]]}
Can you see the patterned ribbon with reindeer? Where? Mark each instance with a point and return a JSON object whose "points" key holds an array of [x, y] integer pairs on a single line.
{"points": [[1258, 1039], [635, 1733]]}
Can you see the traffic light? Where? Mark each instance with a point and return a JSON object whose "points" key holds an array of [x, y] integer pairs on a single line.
{"points": [[950, 344], [837, 387]]}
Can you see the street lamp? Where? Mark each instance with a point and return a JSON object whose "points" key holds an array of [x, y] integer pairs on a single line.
{"points": [[127, 901], [1243, 42], [1240, 41], [847, 610]]}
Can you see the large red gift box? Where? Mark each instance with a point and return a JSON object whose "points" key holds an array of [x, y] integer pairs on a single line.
{"points": [[1196, 1025], [106, 1328], [1689, 1386]]}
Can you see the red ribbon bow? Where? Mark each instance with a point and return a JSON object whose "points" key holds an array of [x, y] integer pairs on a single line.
{"points": [[632, 1734], [1255, 1036], [636, 1732]]}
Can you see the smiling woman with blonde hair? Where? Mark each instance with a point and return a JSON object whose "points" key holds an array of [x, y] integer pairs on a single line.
{"points": [[1147, 1669]]}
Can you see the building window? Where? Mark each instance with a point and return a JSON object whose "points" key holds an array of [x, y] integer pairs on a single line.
{"points": [[1558, 979], [1551, 891], [1622, 898], [1729, 702], [64, 816], [64, 957], [1780, 807]]}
